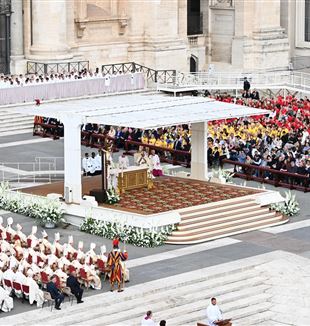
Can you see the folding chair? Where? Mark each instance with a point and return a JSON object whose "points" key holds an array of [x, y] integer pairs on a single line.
{"points": [[71, 269], [8, 237], [67, 291], [29, 241], [26, 290], [17, 289], [7, 284], [102, 269], [44, 279], [48, 298], [84, 277]]}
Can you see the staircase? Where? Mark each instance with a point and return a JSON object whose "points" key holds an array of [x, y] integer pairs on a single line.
{"points": [[242, 291], [14, 123], [221, 219]]}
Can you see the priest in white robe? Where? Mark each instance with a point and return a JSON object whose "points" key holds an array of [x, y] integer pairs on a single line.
{"points": [[7, 304], [214, 313], [35, 294]]}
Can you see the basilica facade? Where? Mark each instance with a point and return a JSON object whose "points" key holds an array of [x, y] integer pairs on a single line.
{"points": [[186, 35]]}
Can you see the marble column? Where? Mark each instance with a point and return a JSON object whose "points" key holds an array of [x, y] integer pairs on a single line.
{"points": [[18, 63], [49, 31], [259, 42], [72, 158], [199, 160]]}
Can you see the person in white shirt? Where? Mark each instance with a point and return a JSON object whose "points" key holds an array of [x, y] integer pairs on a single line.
{"points": [[147, 319], [155, 164], [95, 164], [87, 164], [123, 162], [214, 313]]}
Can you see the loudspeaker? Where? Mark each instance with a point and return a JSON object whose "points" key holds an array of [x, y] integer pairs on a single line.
{"points": [[99, 194]]}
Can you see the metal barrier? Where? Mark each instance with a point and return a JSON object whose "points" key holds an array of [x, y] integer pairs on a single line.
{"points": [[295, 81], [158, 76], [270, 176], [52, 67], [37, 171]]}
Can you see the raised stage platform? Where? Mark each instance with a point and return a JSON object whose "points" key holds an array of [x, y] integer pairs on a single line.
{"points": [[202, 211], [168, 193]]}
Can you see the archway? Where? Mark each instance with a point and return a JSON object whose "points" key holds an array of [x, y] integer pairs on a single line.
{"points": [[193, 65]]}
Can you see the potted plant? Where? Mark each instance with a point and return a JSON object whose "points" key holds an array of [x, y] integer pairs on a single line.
{"points": [[50, 214]]}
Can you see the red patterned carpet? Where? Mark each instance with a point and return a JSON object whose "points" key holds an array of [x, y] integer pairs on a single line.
{"points": [[169, 193], [176, 193]]}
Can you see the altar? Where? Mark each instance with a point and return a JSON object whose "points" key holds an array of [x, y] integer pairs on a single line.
{"points": [[134, 177]]}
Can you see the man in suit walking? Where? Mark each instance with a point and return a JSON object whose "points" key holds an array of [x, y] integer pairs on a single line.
{"points": [[75, 287], [54, 292]]}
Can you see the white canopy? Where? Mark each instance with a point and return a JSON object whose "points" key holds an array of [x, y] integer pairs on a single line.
{"points": [[142, 110]]}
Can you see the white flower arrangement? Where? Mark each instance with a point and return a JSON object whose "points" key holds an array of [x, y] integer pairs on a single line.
{"points": [[112, 196], [136, 236], [226, 175], [43, 209], [289, 207]]}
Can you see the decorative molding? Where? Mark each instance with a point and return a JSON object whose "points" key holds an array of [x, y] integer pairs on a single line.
{"points": [[81, 25], [222, 4], [5, 7]]}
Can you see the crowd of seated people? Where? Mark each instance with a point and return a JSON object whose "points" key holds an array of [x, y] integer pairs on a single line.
{"points": [[29, 263], [7, 81], [279, 140]]}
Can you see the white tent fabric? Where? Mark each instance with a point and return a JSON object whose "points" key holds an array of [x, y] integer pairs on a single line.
{"points": [[142, 111]]}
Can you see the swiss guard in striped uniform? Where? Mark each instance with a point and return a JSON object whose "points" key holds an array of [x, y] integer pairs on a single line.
{"points": [[114, 263]]}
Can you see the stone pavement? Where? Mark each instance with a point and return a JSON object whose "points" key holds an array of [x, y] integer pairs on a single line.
{"points": [[169, 261], [253, 291]]}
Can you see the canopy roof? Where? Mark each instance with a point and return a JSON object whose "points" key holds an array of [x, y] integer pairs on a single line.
{"points": [[142, 110]]}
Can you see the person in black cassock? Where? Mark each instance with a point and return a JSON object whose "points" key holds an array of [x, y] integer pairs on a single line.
{"points": [[54, 292], [246, 85], [75, 287]]}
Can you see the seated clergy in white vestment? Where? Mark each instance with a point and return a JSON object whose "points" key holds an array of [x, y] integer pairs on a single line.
{"points": [[35, 294], [123, 162], [7, 301]]}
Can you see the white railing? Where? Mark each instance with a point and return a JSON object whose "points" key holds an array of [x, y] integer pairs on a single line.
{"points": [[298, 81], [55, 163], [29, 171]]}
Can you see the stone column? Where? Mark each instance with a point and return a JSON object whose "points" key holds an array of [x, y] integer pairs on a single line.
{"points": [[18, 63], [49, 30], [72, 158], [199, 161], [259, 41]]}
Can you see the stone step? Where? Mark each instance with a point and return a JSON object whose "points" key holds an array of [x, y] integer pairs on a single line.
{"points": [[218, 204], [131, 298], [16, 126], [226, 233], [229, 283], [222, 213], [175, 304], [16, 132], [235, 313], [196, 311], [225, 226], [13, 119], [263, 318], [221, 221], [217, 209]]}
